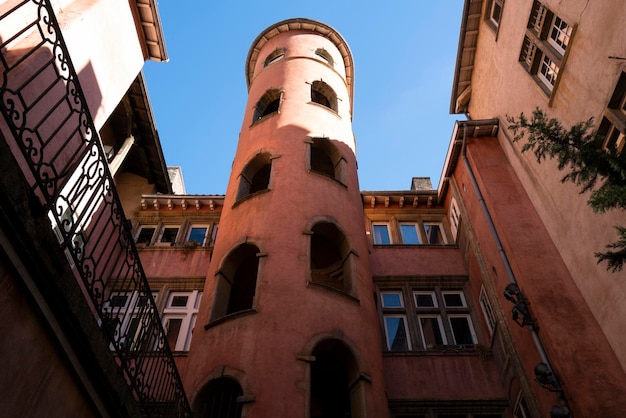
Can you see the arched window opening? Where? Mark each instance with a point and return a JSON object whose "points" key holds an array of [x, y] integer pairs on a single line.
{"points": [[255, 177], [331, 263], [332, 373], [322, 93], [325, 55], [218, 399], [326, 159], [276, 55], [268, 103], [236, 285]]}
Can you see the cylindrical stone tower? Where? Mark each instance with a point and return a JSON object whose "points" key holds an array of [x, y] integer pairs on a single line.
{"points": [[288, 324]]}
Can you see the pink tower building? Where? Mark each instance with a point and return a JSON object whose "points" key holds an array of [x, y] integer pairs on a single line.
{"points": [[285, 323]]}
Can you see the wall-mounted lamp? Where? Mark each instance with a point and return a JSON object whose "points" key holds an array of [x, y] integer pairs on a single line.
{"points": [[546, 378], [521, 313]]}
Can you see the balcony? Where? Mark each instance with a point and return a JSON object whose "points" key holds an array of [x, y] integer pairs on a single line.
{"points": [[57, 154]]}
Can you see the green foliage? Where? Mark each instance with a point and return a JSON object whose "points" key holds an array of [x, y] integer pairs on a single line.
{"points": [[579, 152]]}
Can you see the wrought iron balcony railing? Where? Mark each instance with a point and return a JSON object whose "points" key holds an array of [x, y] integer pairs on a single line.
{"points": [[53, 138]]}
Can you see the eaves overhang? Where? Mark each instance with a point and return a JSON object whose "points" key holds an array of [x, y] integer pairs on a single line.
{"points": [[148, 136], [463, 129], [468, 40], [398, 198], [150, 22]]}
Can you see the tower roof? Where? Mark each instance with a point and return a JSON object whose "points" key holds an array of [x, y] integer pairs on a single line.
{"points": [[302, 24]]}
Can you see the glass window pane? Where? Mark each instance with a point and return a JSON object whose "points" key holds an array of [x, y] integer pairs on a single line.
{"points": [[381, 235], [431, 331], [169, 234], [461, 330], [453, 299], [396, 333], [409, 234], [197, 234], [173, 328], [145, 236], [179, 301], [433, 234], [391, 299], [425, 300], [118, 301]]}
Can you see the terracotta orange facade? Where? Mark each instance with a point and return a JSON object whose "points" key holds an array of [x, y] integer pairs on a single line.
{"points": [[296, 294]]}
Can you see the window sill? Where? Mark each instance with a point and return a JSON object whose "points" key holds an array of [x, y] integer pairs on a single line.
{"points": [[334, 290], [326, 176], [264, 118], [229, 317], [249, 196], [328, 109], [476, 350]]}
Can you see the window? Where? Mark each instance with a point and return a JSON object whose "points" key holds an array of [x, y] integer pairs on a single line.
{"points": [[331, 257], [409, 233], [405, 232], [197, 234], [255, 176], [381, 234], [179, 318], [218, 399], [268, 104], [543, 50], [214, 235], [613, 124], [167, 235], [396, 331], [325, 55], [276, 55], [453, 312], [455, 218], [323, 94], [125, 316], [490, 318], [434, 235], [494, 12], [145, 235], [438, 318], [236, 286], [521, 408], [326, 159]]}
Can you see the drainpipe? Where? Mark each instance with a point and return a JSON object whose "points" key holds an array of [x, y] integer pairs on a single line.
{"points": [[544, 373]]}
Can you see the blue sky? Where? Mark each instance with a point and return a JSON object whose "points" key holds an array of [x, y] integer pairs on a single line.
{"points": [[404, 53]]}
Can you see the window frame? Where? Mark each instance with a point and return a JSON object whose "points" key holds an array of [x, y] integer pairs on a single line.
{"points": [[188, 314], [487, 310], [159, 242], [387, 226], [427, 237], [470, 326], [149, 242], [541, 55], [325, 56], [454, 215], [388, 342], [274, 56], [442, 335], [417, 228], [198, 226], [391, 292], [323, 89], [612, 127], [442, 332], [489, 15]]}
